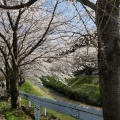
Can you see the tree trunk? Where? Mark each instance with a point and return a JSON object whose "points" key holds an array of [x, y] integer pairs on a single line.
{"points": [[15, 73], [109, 57], [14, 90], [7, 84], [7, 77]]}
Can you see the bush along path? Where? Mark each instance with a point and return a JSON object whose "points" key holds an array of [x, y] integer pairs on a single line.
{"points": [[82, 89]]}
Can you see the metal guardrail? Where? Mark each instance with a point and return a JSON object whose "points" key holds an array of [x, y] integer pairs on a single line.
{"points": [[77, 111]]}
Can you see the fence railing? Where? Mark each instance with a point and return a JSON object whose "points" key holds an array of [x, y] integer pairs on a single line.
{"points": [[79, 112]]}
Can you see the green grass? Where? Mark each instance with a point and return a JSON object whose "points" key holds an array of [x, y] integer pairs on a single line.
{"points": [[32, 89], [28, 87], [86, 88], [9, 114], [19, 114], [80, 80]]}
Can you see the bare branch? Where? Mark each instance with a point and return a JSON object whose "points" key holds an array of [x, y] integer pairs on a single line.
{"points": [[43, 36], [88, 3], [29, 3]]}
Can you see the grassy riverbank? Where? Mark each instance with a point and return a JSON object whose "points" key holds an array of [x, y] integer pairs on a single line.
{"points": [[20, 113], [85, 87], [80, 88]]}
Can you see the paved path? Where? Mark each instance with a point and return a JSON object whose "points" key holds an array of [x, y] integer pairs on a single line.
{"points": [[58, 96]]}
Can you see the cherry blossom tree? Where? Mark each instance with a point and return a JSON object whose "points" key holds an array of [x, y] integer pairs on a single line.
{"points": [[29, 34], [63, 37], [107, 22], [22, 32]]}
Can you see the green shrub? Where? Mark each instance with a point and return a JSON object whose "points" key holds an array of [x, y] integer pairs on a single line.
{"points": [[82, 89]]}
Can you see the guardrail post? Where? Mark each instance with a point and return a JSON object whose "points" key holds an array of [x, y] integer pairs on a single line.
{"points": [[44, 111], [36, 110], [29, 104], [19, 99]]}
